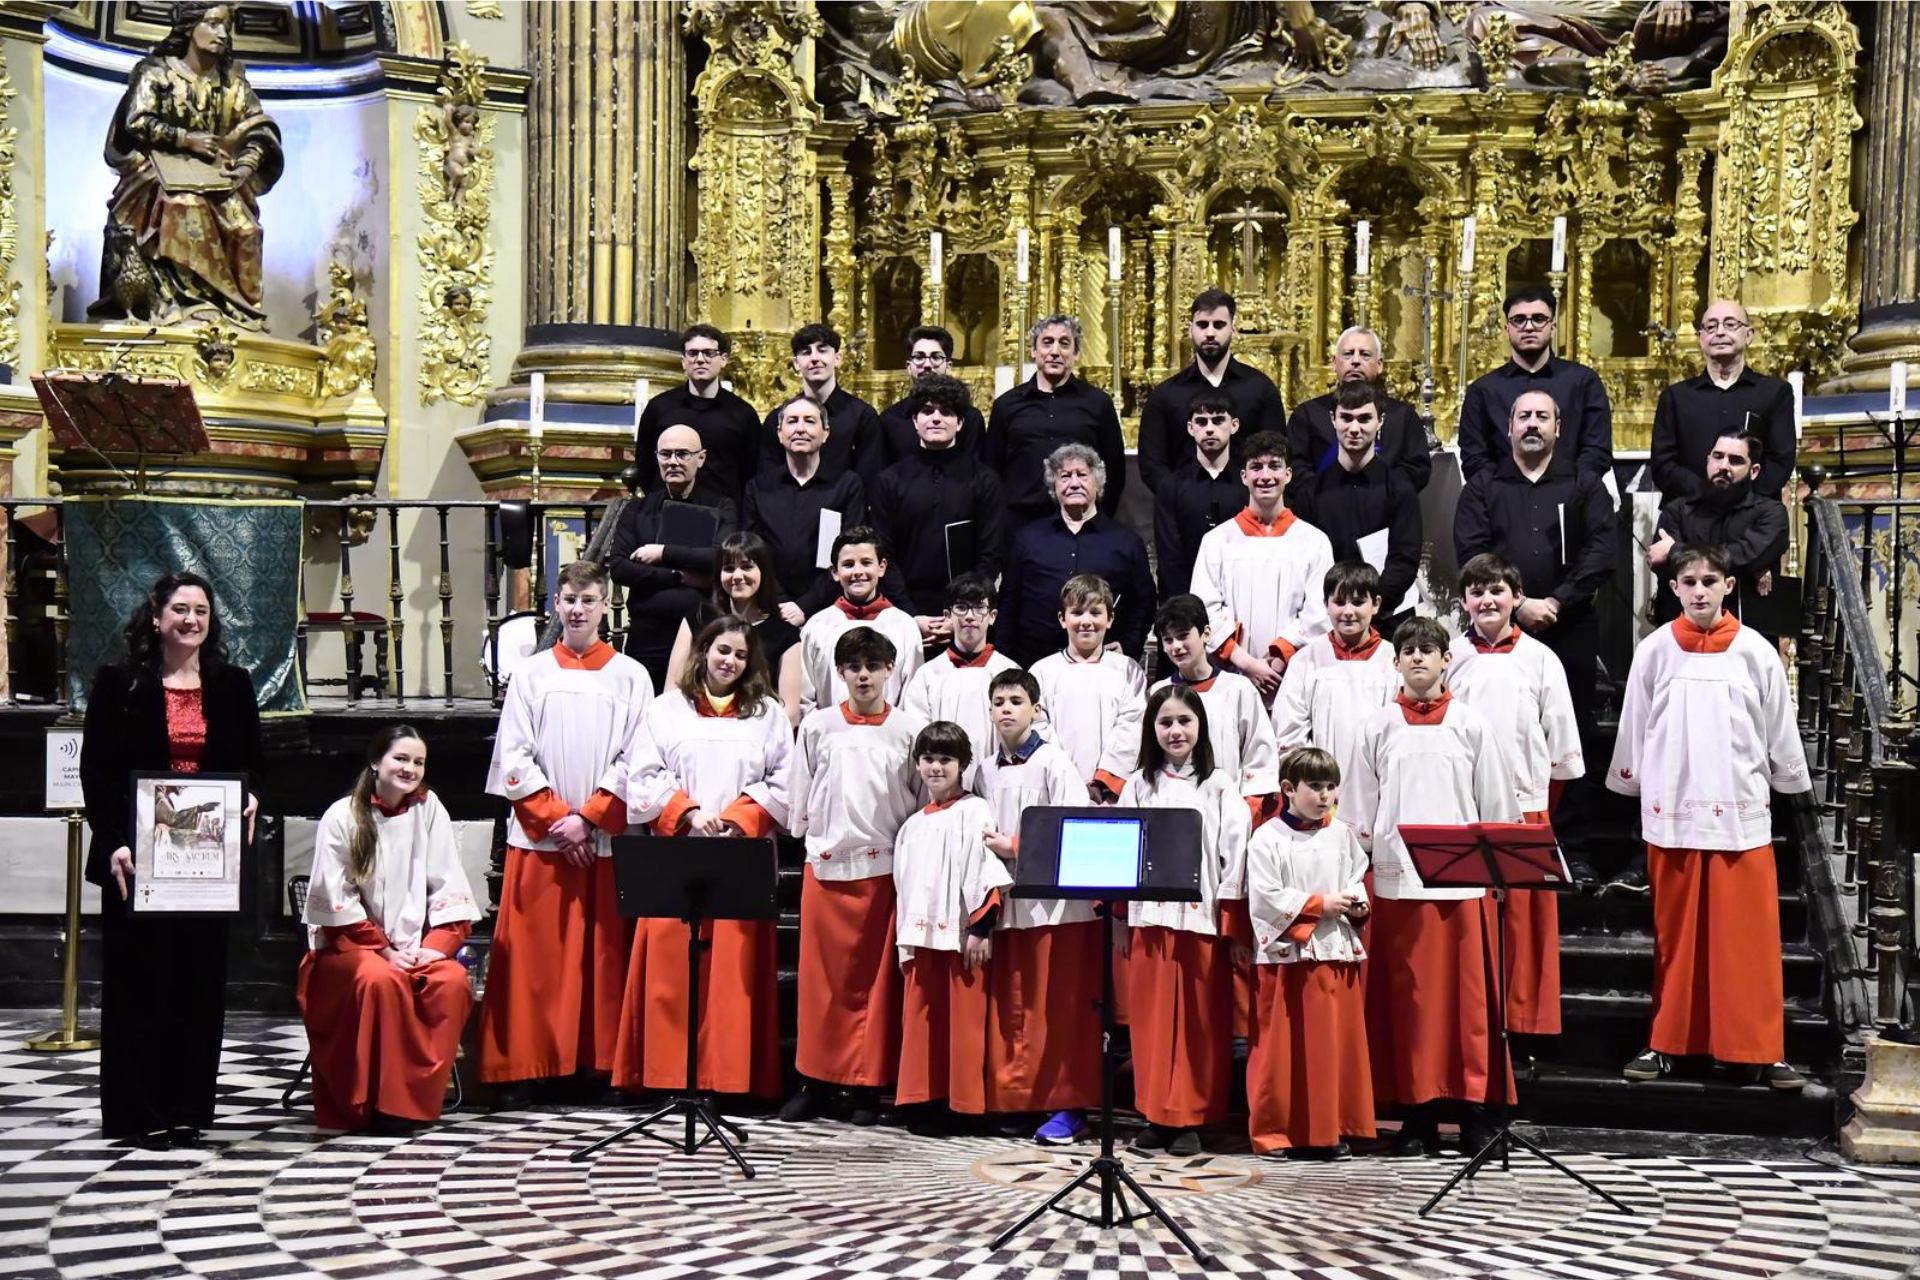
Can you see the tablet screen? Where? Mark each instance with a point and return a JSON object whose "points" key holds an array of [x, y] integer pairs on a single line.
{"points": [[1100, 853]]}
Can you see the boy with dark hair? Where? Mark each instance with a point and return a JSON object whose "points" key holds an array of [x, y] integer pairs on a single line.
{"points": [[1237, 722], [954, 684], [1368, 510], [1428, 759], [1341, 678], [1202, 491], [851, 784], [1043, 1037], [1259, 574], [859, 563], [1094, 698], [938, 507], [855, 443], [1707, 734], [929, 355], [1520, 687]]}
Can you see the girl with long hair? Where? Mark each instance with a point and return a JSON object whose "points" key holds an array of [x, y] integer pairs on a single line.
{"points": [[746, 585], [387, 908], [710, 760], [1180, 996]]}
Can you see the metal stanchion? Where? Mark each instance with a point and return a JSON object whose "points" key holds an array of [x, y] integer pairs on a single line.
{"points": [[70, 1038]]}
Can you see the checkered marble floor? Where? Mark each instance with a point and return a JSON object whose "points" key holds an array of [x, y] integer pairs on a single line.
{"points": [[482, 1197]]}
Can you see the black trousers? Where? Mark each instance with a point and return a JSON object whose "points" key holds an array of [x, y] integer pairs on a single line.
{"points": [[1575, 640], [163, 1005]]}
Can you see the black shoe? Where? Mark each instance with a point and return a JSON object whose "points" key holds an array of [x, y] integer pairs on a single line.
{"points": [[1241, 1049], [1648, 1066], [806, 1104], [864, 1111], [1782, 1077], [1152, 1138], [184, 1135], [385, 1126], [929, 1120], [892, 1117], [1632, 879], [1185, 1142], [154, 1140], [1476, 1133], [1582, 873], [1340, 1151], [1015, 1124], [1416, 1138]]}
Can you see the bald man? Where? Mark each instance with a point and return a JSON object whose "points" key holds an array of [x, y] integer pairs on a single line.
{"points": [[667, 580], [1312, 448], [1728, 399]]}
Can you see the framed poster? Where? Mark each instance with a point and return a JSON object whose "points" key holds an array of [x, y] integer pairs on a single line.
{"points": [[187, 831]]}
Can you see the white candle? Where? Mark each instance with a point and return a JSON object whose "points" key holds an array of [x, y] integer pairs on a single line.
{"points": [[1113, 253], [1798, 381], [1560, 243], [1897, 389], [1002, 379], [642, 392], [935, 267], [1020, 255], [1363, 248], [1467, 235], [537, 407]]}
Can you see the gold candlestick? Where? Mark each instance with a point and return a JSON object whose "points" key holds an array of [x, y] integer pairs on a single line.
{"points": [[1362, 290], [536, 446]]}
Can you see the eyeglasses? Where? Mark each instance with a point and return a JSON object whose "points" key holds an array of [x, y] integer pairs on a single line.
{"points": [[702, 353], [1731, 326], [677, 455], [970, 610], [937, 357], [1529, 321]]}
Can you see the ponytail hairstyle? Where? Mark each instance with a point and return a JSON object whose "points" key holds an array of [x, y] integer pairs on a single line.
{"points": [[1153, 757], [364, 842]]}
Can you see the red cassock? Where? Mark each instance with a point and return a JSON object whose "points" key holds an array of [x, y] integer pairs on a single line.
{"points": [[849, 982], [382, 1039], [1308, 1076], [943, 1043], [1717, 988], [1533, 956], [1043, 1019], [559, 954], [1429, 1027], [1181, 1023]]}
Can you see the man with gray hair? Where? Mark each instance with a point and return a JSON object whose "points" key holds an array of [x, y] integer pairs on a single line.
{"points": [[1076, 538], [1313, 447], [1048, 410]]}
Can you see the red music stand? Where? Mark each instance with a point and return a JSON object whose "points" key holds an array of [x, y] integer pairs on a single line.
{"points": [[106, 413], [1498, 856]]}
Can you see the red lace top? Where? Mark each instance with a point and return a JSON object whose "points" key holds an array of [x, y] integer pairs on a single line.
{"points": [[186, 730]]}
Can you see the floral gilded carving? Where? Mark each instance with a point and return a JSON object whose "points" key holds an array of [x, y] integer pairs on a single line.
{"points": [[456, 253]]}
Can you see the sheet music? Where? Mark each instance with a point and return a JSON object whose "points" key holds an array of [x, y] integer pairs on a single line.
{"points": [[1373, 549], [823, 546]]}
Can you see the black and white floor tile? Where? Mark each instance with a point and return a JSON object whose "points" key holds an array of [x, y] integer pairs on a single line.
{"points": [[495, 1197]]}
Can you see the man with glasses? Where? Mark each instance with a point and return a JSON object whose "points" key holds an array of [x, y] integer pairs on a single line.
{"points": [[1164, 442], [1729, 399], [1586, 416], [1313, 447], [665, 557], [929, 355], [727, 424], [854, 443]]}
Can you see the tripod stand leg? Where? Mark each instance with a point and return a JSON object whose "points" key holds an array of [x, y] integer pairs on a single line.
{"points": [[716, 1128], [1051, 1202], [1166, 1219], [637, 1126], [1495, 1146], [1551, 1162]]}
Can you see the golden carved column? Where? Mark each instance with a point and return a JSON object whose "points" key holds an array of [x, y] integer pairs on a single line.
{"points": [[1890, 246]]}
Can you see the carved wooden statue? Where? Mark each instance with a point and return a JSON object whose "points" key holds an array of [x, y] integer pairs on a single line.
{"points": [[194, 152]]}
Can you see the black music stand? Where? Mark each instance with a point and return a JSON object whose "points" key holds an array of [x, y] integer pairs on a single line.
{"points": [[1112, 856], [694, 880], [1498, 856]]}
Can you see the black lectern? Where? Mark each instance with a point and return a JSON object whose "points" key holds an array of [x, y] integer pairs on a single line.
{"points": [[695, 880], [1112, 856]]}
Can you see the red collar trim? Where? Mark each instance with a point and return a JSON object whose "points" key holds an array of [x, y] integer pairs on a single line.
{"points": [[1432, 711], [1357, 653], [1250, 524], [863, 612], [960, 659], [1715, 639], [1504, 644], [407, 802], [854, 717], [703, 706], [598, 655], [938, 805]]}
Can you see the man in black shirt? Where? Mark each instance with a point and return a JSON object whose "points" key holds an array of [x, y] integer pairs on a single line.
{"points": [[1204, 490], [939, 509], [667, 581], [1586, 415], [1363, 495], [1731, 513], [1163, 419], [1729, 398], [854, 443], [784, 506], [929, 355], [1312, 447], [729, 427], [1048, 410]]}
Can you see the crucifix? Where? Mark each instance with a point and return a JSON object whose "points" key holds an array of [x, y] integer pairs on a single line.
{"points": [[1428, 295], [1246, 222]]}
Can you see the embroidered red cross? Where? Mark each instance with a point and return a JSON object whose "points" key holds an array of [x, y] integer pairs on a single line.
{"points": [[1717, 811]]}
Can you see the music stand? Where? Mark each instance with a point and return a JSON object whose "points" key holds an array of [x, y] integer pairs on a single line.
{"points": [[695, 880], [1112, 856], [111, 413], [1499, 856]]}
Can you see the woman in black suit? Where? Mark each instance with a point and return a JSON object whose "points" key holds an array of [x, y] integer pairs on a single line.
{"points": [[174, 705]]}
